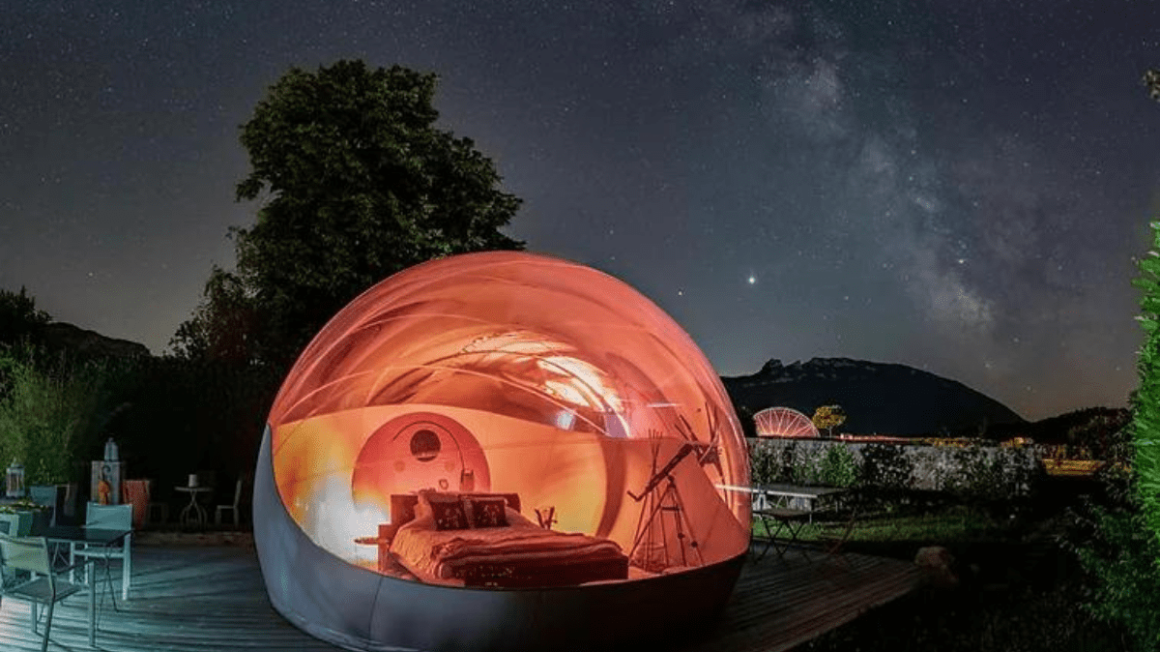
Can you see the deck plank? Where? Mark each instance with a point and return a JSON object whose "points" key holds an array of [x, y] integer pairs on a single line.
{"points": [[198, 599]]}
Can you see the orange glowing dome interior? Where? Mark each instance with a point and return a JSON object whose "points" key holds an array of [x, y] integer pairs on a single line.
{"points": [[507, 373]]}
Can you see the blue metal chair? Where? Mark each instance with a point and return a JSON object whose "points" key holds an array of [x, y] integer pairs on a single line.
{"points": [[112, 517]]}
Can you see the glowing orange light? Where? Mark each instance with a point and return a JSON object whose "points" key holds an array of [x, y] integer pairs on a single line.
{"points": [[514, 374]]}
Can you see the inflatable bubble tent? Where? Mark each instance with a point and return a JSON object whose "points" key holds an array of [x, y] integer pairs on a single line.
{"points": [[509, 435]]}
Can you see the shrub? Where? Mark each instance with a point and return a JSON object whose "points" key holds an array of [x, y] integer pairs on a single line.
{"points": [[807, 466], [989, 474], [838, 467], [53, 411], [1120, 553], [787, 462], [1146, 402], [763, 463], [194, 415], [886, 466]]}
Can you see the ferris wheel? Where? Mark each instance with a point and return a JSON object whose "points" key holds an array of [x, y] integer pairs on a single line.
{"points": [[784, 422]]}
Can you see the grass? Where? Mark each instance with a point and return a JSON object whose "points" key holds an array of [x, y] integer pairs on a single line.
{"points": [[958, 523], [1018, 590]]}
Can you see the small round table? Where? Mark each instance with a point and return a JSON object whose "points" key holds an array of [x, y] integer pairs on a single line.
{"points": [[193, 514]]}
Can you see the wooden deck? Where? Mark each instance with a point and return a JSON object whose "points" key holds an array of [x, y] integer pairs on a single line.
{"points": [[212, 598]]}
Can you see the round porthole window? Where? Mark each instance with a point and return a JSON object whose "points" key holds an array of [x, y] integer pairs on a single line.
{"points": [[424, 445]]}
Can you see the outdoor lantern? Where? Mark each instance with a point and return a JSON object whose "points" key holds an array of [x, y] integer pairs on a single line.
{"points": [[15, 482], [500, 451]]}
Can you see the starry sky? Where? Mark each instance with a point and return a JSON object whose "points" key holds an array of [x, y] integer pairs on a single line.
{"points": [[957, 186]]}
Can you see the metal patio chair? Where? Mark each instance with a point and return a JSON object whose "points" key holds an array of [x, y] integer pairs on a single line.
{"points": [[113, 517], [29, 555]]}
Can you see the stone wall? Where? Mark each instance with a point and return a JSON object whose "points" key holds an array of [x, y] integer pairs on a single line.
{"points": [[969, 469]]}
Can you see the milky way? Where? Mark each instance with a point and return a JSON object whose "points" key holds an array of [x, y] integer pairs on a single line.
{"points": [[960, 187]]}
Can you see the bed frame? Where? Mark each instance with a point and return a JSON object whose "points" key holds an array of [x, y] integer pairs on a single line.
{"points": [[555, 572]]}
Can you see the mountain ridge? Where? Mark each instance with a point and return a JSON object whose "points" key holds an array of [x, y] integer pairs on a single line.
{"points": [[878, 397]]}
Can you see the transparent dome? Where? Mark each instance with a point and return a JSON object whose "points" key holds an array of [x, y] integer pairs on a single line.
{"points": [[548, 384]]}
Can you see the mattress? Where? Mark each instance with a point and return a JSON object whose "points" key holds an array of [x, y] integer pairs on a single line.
{"points": [[522, 554]]}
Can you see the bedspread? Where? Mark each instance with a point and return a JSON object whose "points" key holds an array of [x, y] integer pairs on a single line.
{"points": [[521, 554]]}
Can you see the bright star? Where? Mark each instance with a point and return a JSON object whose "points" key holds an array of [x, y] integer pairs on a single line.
{"points": [[752, 279]]}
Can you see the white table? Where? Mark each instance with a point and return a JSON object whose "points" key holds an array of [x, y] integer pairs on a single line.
{"points": [[193, 514], [785, 496], [778, 507]]}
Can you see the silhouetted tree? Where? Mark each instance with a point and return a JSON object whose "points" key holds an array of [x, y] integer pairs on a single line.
{"points": [[224, 325], [19, 316], [357, 184]]}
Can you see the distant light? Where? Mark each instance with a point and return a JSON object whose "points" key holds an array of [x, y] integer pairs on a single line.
{"points": [[752, 279]]}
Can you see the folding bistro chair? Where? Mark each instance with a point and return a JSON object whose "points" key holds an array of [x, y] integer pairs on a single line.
{"points": [[777, 520], [832, 542]]}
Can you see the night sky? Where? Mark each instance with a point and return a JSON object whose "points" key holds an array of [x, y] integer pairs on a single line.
{"points": [[957, 186]]}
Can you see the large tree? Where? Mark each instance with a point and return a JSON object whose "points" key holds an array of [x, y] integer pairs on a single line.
{"points": [[224, 324], [357, 183]]}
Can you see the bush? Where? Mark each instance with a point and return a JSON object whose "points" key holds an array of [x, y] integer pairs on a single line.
{"points": [[838, 467], [1146, 401], [886, 466], [188, 416], [763, 463], [1121, 553], [53, 411], [990, 474], [807, 466]]}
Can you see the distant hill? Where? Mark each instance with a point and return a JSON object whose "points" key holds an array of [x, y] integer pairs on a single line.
{"points": [[63, 337], [1092, 427], [878, 397]]}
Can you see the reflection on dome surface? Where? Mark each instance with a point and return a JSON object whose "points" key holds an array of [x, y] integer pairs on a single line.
{"points": [[510, 420]]}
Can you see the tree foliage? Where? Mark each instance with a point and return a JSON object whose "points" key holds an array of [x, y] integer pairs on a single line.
{"points": [[223, 327], [1152, 81], [54, 410], [1146, 409], [19, 316], [1125, 557], [357, 183], [839, 468], [1122, 555], [829, 417]]}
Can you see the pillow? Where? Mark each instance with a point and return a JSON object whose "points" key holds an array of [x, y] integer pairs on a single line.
{"points": [[447, 510], [487, 512]]}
